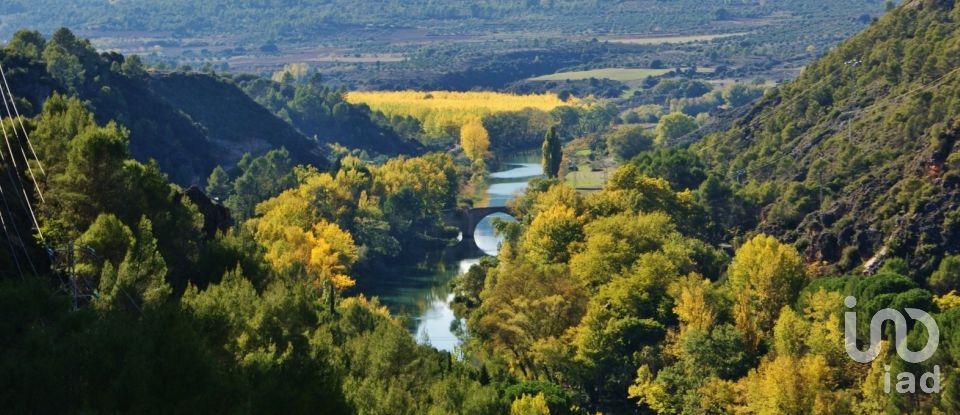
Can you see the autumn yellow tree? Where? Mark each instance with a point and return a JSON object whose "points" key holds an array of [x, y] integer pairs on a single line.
{"points": [[548, 238], [765, 276], [295, 72], [695, 305], [475, 140], [325, 253], [530, 405], [295, 238]]}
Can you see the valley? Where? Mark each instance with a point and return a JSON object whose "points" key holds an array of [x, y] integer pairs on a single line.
{"points": [[526, 208]]}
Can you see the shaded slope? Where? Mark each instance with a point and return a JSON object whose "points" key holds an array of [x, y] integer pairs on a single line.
{"points": [[234, 124]]}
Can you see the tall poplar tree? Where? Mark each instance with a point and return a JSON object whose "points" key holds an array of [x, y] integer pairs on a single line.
{"points": [[552, 153]]}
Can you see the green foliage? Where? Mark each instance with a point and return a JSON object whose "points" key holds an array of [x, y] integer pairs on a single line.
{"points": [[218, 184], [740, 94], [139, 281], [27, 43], [259, 179], [322, 112], [947, 276], [674, 126], [628, 141], [557, 400], [552, 153], [841, 148], [681, 167], [109, 239]]}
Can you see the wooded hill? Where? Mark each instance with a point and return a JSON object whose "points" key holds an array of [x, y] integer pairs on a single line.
{"points": [[189, 123], [857, 157]]}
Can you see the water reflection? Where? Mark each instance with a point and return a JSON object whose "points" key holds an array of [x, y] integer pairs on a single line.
{"points": [[423, 291], [485, 237]]}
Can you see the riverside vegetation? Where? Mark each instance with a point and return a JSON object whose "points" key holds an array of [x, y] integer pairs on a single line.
{"points": [[706, 276]]}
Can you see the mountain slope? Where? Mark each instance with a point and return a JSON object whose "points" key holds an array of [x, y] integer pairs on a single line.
{"points": [[857, 156], [189, 123], [233, 122]]}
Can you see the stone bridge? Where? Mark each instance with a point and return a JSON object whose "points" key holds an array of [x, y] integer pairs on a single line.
{"points": [[467, 219]]}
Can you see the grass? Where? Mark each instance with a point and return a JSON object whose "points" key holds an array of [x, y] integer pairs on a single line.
{"points": [[585, 178]]}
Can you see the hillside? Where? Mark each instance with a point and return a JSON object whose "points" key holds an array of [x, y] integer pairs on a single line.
{"points": [[233, 122], [857, 157], [188, 122]]}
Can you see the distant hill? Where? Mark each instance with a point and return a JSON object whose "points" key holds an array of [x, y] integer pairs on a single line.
{"points": [[857, 158], [188, 122]]}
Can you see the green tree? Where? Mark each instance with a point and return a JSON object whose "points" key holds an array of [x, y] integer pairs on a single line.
{"points": [[947, 276], [674, 126], [740, 94], [29, 43], [260, 179], [109, 239], [133, 67], [70, 60], [218, 184], [92, 181], [140, 280], [628, 141], [552, 153]]}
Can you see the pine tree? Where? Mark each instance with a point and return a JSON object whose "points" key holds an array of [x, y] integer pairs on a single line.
{"points": [[140, 280], [218, 184], [552, 153]]}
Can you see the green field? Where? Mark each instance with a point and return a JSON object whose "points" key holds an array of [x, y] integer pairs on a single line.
{"points": [[586, 178]]}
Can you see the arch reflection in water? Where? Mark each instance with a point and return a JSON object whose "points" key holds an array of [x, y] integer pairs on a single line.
{"points": [[485, 236]]}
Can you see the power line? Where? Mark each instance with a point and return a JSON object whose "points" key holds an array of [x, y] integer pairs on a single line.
{"points": [[17, 184], [20, 120], [4, 96], [13, 251]]}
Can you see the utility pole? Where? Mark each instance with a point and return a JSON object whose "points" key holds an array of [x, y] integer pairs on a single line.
{"points": [[72, 275]]}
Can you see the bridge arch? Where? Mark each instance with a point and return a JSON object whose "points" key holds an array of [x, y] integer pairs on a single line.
{"points": [[468, 219]]}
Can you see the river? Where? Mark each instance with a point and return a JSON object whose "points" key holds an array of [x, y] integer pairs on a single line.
{"points": [[422, 291]]}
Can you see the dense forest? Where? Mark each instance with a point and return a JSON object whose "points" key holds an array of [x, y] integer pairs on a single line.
{"points": [[710, 272]]}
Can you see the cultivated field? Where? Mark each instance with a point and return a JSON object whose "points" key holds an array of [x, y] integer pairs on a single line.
{"points": [[442, 113]]}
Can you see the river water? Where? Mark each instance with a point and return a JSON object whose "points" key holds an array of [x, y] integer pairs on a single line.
{"points": [[422, 291]]}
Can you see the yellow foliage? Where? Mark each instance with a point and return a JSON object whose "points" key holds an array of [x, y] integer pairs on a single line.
{"points": [[693, 307], [325, 252], [530, 405], [787, 385], [475, 140], [427, 178], [947, 301], [442, 113], [297, 72], [765, 275], [548, 238]]}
